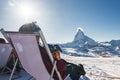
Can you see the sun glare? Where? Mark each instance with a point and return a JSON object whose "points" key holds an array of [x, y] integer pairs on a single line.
{"points": [[26, 10]]}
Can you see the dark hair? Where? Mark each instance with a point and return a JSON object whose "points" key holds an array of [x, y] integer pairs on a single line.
{"points": [[2, 40], [29, 28]]}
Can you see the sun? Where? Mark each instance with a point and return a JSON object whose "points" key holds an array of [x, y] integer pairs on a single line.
{"points": [[26, 10]]}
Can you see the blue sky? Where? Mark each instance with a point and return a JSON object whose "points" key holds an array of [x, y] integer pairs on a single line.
{"points": [[59, 19]]}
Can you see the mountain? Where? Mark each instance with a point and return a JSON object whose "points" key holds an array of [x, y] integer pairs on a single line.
{"points": [[80, 40], [82, 45]]}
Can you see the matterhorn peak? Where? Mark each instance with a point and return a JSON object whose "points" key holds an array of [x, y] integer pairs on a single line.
{"points": [[80, 34], [79, 29], [81, 40]]}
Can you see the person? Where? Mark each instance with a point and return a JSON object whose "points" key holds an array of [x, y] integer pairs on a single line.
{"points": [[29, 28], [33, 28], [12, 60], [61, 63]]}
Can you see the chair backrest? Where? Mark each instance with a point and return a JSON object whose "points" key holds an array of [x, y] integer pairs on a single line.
{"points": [[29, 55], [5, 51]]}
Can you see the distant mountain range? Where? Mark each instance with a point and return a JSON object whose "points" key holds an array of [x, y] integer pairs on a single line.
{"points": [[82, 45]]}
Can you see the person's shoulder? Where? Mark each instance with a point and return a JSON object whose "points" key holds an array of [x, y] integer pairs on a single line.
{"points": [[62, 60]]}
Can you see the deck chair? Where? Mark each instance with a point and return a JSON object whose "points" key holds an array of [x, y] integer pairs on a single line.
{"points": [[9, 42], [29, 55], [6, 35], [5, 51]]}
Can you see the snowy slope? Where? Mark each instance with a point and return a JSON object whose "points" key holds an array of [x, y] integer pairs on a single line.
{"points": [[103, 67], [96, 68]]}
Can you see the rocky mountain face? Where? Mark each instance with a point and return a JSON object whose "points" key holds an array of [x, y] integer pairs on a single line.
{"points": [[82, 45]]}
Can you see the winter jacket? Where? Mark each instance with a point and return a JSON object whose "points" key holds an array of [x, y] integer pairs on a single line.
{"points": [[61, 66]]}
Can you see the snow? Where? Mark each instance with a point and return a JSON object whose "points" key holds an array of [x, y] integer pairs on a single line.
{"points": [[22, 75], [80, 29], [97, 68], [70, 50]]}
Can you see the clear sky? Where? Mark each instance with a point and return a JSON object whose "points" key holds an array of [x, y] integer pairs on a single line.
{"points": [[59, 19]]}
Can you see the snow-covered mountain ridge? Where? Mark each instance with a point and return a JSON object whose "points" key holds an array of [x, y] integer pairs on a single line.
{"points": [[82, 45]]}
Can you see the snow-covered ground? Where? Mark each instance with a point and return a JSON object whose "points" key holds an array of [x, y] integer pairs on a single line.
{"points": [[98, 68]]}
